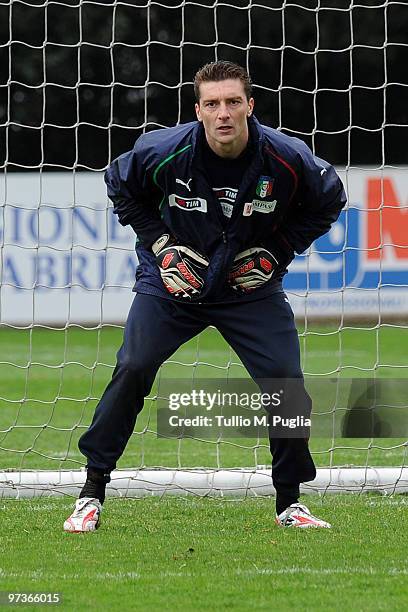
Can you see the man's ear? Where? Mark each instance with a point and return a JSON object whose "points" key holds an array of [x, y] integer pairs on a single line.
{"points": [[197, 110]]}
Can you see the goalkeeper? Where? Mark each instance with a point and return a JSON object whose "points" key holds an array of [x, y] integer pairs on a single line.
{"points": [[220, 206]]}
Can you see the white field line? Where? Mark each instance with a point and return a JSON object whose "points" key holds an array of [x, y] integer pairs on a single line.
{"points": [[39, 507], [366, 571], [360, 571], [39, 574], [337, 353]]}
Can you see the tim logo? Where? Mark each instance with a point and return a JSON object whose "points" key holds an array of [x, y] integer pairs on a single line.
{"points": [[188, 203], [264, 187]]}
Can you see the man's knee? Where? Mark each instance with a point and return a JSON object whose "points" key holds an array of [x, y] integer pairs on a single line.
{"points": [[138, 364]]}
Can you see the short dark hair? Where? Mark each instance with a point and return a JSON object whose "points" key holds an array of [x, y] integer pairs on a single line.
{"points": [[219, 71]]}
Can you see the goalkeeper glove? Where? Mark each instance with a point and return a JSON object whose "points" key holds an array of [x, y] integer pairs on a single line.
{"points": [[180, 267], [251, 269]]}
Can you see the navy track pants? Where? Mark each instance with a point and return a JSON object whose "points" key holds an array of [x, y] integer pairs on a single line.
{"points": [[262, 333]]}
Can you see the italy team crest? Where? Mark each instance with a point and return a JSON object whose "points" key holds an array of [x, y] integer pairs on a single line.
{"points": [[264, 187]]}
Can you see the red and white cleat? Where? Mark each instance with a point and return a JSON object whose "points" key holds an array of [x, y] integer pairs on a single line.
{"points": [[85, 517], [298, 515]]}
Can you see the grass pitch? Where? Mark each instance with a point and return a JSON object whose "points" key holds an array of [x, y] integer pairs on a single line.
{"points": [[178, 554], [185, 554]]}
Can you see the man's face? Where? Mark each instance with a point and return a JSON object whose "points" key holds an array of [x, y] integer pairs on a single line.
{"points": [[223, 108]]}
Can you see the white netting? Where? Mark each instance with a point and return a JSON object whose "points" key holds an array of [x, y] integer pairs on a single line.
{"points": [[79, 81]]}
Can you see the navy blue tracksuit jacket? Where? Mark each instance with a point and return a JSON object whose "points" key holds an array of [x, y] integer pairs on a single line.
{"points": [[287, 199]]}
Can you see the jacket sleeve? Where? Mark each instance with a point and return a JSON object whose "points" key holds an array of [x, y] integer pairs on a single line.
{"points": [[135, 197], [316, 205]]}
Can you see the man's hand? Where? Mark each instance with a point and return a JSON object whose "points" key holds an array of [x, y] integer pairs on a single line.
{"points": [[251, 269], [181, 267]]}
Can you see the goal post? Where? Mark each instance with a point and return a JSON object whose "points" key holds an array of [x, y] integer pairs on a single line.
{"points": [[79, 82]]}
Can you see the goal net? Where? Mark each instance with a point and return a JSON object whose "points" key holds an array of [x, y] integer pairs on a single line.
{"points": [[80, 80]]}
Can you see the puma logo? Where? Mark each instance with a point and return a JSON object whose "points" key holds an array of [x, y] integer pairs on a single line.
{"points": [[186, 185]]}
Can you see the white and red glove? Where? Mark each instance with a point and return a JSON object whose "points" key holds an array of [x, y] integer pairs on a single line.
{"points": [[251, 269], [181, 267]]}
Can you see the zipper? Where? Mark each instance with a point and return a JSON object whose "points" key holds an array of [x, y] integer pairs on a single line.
{"points": [[224, 239]]}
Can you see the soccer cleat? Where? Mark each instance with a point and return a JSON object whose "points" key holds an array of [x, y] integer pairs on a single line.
{"points": [[298, 515], [85, 517]]}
